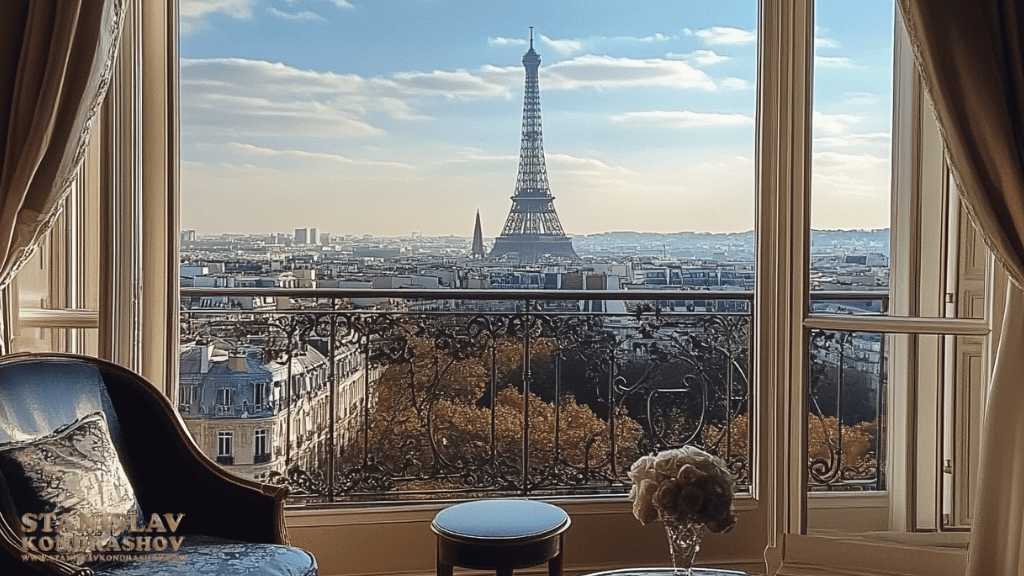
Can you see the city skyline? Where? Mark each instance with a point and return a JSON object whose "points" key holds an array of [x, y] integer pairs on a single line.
{"points": [[398, 118]]}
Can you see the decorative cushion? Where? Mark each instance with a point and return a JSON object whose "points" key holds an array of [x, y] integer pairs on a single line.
{"points": [[39, 397], [214, 556], [74, 471]]}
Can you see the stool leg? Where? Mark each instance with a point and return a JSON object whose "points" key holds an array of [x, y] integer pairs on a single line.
{"points": [[555, 564], [504, 571], [443, 568]]}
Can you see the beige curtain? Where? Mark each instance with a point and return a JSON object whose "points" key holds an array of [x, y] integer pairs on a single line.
{"points": [[56, 57], [971, 55]]}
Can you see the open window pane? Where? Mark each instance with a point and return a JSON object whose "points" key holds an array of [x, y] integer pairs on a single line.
{"points": [[846, 420], [851, 163]]}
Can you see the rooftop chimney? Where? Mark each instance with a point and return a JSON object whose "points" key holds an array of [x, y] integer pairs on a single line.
{"points": [[237, 363], [205, 353]]}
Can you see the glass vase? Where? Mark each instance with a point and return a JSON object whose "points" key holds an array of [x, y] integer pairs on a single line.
{"points": [[683, 542]]}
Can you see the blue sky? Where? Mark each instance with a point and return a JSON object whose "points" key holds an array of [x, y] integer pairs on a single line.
{"points": [[387, 117]]}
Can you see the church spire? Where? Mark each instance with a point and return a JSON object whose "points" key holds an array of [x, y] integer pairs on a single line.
{"points": [[478, 239]]}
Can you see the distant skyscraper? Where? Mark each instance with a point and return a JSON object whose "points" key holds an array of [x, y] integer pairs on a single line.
{"points": [[304, 236], [532, 228], [478, 239]]}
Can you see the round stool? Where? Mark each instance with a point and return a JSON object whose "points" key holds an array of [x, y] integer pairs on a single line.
{"points": [[501, 535]]}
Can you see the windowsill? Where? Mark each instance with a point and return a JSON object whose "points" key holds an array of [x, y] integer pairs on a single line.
{"points": [[956, 540], [868, 553]]}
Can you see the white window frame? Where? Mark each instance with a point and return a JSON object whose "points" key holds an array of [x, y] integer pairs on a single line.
{"points": [[224, 396], [913, 494], [187, 395], [259, 394], [260, 439], [225, 443]]}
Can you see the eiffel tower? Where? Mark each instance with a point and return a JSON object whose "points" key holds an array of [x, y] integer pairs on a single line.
{"points": [[532, 229]]}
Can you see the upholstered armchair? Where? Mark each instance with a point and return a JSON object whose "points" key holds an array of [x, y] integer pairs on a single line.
{"points": [[98, 475]]}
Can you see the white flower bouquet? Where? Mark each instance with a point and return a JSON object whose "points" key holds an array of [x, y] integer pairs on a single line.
{"points": [[683, 485]]}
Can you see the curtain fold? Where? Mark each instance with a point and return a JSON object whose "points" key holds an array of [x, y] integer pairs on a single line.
{"points": [[56, 58], [971, 56]]}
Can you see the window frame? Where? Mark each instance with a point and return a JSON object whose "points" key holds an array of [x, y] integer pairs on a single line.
{"points": [[138, 162], [260, 439], [784, 322], [225, 443], [259, 394], [224, 397]]}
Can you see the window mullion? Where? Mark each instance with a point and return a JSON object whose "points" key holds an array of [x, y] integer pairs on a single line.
{"points": [[786, 36]]}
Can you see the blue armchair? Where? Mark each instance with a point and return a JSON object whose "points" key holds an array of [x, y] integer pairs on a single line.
{"points": [[98, 476]]}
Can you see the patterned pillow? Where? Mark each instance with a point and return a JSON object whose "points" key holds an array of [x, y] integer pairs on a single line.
{"points": [[72, 471]]}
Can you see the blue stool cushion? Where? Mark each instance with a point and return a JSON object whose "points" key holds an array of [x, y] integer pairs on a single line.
{"points": [[500, 519]]}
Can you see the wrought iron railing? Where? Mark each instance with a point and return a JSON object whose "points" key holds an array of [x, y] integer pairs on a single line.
{"points": [[474, 392], [846, 397]]}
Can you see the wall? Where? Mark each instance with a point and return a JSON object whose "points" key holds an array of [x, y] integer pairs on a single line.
{"points": [[604, 535]]}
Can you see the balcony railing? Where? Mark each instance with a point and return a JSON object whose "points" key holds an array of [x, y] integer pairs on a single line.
{"points": [[240, 410], [473, 392]]}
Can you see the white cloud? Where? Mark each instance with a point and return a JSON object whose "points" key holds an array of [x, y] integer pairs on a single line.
{"points": [[834, 62], [701, 57], [847, 140], [304, 15], [610, 72], [253, 150], [826, 43], [833, 123], [450, 84], [847, 163], [500, 41], [199, 8], [835, 131], [860, 99], [569, 46], [726, 35], [682, 119], [584, 164], [846, 184], [465, 156], [734, 83], [220, 114], [192, 13], [656, 37], [563, 46], [238, 96]]}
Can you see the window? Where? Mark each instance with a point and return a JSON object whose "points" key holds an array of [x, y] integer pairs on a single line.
{"points": [[259, 394], [224, 397], [225, 448], [57, 293], [187, 395], [261, 449], [783, 303]]}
